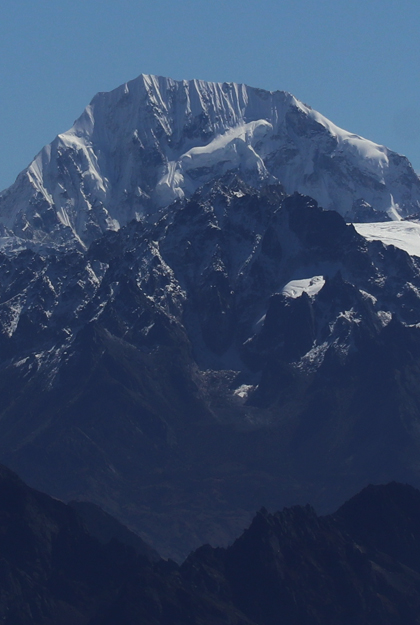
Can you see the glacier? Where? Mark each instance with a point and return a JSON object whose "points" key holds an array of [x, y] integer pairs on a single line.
{"points": [[402, 234]]}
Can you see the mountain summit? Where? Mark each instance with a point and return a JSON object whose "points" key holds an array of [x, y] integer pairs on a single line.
{"points": [[224, 341], [154, 140]]}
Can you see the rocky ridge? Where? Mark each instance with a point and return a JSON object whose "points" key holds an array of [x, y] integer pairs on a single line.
{"points": [[354, 567]]}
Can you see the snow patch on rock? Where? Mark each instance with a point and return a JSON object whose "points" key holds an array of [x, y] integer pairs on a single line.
{"points": [[311, 286]]}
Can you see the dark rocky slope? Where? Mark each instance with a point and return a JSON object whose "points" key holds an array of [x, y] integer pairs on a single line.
{"points": [[167, 376]]}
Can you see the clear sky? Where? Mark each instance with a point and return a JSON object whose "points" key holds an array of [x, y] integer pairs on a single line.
{"points": [[355, 61]]}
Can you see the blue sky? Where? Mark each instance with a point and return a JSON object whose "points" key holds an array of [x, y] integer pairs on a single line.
{"points": [[355, 61]]}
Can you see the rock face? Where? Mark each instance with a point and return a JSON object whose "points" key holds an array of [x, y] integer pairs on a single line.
{"points": [[360, 565], [154, 140], [247, 348]]}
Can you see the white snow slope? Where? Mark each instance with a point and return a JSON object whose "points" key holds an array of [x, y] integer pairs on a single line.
{"points": [[154, 140]]}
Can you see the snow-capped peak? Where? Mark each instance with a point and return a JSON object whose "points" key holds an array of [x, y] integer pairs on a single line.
{"points": [[154, 140]]}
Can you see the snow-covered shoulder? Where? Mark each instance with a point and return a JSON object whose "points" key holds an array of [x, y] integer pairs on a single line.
{"points": [[231, 150]]}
